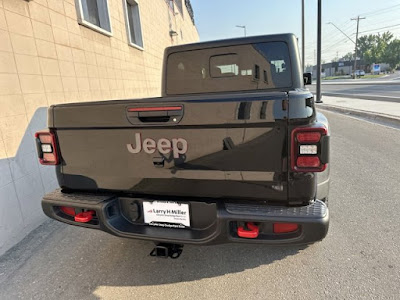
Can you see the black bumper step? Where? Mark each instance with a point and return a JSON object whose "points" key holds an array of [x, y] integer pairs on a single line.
{"points": [[212, 222], [79, 198], [317, 209]]}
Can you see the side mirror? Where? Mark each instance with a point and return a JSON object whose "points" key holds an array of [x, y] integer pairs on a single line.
{"points": [[307, 78]]}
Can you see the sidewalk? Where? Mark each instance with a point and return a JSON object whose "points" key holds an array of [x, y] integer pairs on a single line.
{"points": [[380, 111]]}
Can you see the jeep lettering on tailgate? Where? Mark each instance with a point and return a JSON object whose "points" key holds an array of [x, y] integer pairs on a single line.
{"points": [[178, 146]]}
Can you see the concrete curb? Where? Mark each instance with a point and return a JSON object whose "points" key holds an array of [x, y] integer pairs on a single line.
{"points": [[362, 96], [371, 116], [364, 82]]}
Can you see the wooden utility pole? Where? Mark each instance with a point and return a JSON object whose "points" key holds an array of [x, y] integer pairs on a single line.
{"points": [[356, 50], [303, 46]]}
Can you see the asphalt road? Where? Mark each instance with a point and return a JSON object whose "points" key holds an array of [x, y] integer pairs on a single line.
{"points": [[384, 91], [359, 259]]}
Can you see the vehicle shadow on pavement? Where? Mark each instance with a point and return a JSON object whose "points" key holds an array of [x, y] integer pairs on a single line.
{"points": [[196, 262], [74, 262]]}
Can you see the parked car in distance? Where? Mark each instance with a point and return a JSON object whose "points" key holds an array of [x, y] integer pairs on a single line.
{"points": [[360, 73]]}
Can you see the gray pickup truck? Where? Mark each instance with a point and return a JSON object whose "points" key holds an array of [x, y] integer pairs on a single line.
{"points": [[233, 151]]}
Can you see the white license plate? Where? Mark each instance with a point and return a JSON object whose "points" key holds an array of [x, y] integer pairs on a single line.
{"points": [[166, 214]]}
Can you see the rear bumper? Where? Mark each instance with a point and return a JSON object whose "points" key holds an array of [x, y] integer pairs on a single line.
{"points": [[212, 222]]}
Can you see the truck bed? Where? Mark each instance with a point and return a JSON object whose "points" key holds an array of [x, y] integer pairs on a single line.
{"points": [[220, 146]]}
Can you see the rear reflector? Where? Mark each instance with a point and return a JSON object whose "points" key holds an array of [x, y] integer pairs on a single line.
{"points": [[161, 108], [285, 227], [46, 147], [308, 162]]}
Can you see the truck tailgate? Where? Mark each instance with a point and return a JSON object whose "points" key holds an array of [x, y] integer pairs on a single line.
{"points": [[231, 147]]}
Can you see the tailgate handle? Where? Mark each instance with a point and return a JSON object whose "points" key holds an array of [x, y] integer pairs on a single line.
{"points": [[155, 114]]}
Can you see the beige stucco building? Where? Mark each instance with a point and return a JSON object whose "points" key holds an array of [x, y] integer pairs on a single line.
{"points": [[57, 51]]}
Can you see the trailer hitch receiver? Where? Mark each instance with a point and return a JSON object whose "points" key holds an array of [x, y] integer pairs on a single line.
{"points": [[165, 250]]}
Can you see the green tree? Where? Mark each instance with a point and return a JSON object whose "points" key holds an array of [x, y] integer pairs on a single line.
{"points": [[392, 54], [349, 56], [372, 48]]}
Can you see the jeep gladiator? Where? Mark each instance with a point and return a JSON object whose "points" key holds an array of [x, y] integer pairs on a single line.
{"points": [[233, 151]]}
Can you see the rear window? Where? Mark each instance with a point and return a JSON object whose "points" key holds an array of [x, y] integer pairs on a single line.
{"points": [[228, 69]]}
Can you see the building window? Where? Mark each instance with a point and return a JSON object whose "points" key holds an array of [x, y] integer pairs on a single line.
{"points": [[133, 26], [170, 4], [94, 14], [179, 5]]}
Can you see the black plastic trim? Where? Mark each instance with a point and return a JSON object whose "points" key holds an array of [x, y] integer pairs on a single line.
{"points": [[222, 219]]}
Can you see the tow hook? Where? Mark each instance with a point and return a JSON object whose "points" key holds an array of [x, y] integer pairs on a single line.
{"points": [[84, 217], [248, 231], [164, 250]]}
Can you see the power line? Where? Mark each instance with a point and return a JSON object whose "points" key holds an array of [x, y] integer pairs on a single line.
{"points": [[385, 16], [381, 22], [334, 33], [347, 26], [332, 47], [335, 43], [376, 29], [380, 11], [341, 31], [332, 41], [333, 36]]}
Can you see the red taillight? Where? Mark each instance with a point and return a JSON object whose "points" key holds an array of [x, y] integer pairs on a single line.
{"points": [[308, 162], [285, 227], [307, 151], [46, 147], [308, 137]]}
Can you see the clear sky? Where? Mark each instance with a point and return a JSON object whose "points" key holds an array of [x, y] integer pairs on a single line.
{"points": [[216, 19]]}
